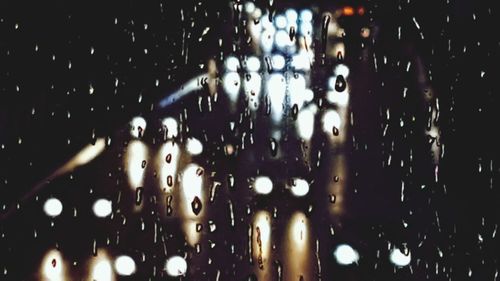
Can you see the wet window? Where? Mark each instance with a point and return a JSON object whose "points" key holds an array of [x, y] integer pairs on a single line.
{"points": [[249, 140]]}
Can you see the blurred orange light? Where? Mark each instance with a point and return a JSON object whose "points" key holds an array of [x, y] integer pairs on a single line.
{"points": [[348, 11]]}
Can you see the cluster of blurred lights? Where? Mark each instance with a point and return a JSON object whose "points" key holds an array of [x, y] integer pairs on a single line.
{"points": [[53, 267], [263, 185], [345, 255]]}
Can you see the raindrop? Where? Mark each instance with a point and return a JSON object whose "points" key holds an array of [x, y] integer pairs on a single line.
{"points": [[292, 32], [340, 83], [138, 195], [273, 145], [168, 159], [196, 205], [143, 164], [335, 131]]}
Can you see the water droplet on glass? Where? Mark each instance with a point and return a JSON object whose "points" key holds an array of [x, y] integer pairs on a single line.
{"points": [[340, 83], [138, 195], [196, 205]]}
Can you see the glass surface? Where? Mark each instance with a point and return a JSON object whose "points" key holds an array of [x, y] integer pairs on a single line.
{"points": [[242, 140]]}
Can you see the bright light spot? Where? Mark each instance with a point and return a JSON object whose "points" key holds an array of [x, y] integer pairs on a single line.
{"points": [[102, 270], [232, 63], [52, 266], [399, 259], [297, 88], [167, 161], [280, 21], [231, 84], [339, 48], [331, 119], [291, 16], [267, 40], [249, 7], [341, 69], [276, 90], [125, 265], [306, 28], [301, 61], [136, 156], [53, 207], [338, 98], [266, 23], [262, 236], [278, 62], [282, 39], [192, 184], [346, 255], [263, 185], [194, 146], [176, 266], [300, 187], [306, 15], [102, 208], [137, 127], [252, 88], [308, 95], [305, 123], [170, 125], [365, 32], [299, 230], [253, 64]]}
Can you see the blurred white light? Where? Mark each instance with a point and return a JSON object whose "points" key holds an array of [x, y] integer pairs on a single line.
{"points": [[252, 87], [278, 62], [232, 84], [306, 15], [305, 124], [341, 69], [267, 40], [282, 39], [262, 236], [263, 185], [53, 207], [171, 127], [338, 98], [168, 158], [102, 208], [125, 265], [330, 120], [301, 61], [135, 156], [306, 28], [346, 255], [192, 184], [280, 21], [137, 126], [291, 16], [52, 266], [249, 7], [398, 258], [102, 270], [299, 230], [176, 266], [194, 146], [296, 89], [266, 23], [276, 90], [253, 64], [308, 95], [300, 187], [232, 63]]}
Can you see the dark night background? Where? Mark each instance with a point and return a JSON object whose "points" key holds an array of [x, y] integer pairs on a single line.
{"points": [[47, 112]]}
